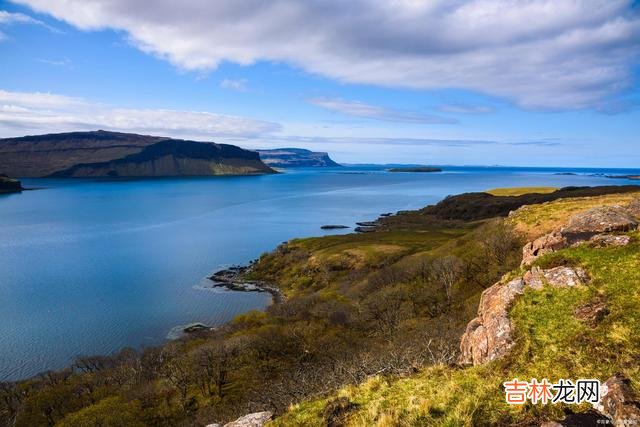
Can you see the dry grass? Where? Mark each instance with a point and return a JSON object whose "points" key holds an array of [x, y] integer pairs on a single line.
{"points": [[535, 220], [519, 191]]}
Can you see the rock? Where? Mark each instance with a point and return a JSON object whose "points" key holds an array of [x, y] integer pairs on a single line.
{"points": [[592, 313], [634, 207], [620, 403], [548, 243], [547, 424], [565, 277], [368, 223], [603, 219], [9, 185], [213, 425], [602, 240], [333, 227], [364, 229], [488, 336], [559, 277], [257, 419]]}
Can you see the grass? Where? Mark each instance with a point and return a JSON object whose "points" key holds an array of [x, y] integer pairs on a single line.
{"points": [[550, 343], [536, 220], [519, 191]]}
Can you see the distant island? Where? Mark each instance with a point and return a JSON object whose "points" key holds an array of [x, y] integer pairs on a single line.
{"points": [[416, 169], [295, 158], [114, 154], [9, 185], [632, 177]]}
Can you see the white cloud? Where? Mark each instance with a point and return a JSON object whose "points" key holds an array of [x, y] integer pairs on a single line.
{"points": [[538, 53], [369, 111], [239, 85], [34, 112], [7, 18]]}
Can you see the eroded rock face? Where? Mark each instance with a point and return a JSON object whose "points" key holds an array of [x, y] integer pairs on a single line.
{"points": [[603, 219], [620, 403], [543, 245], [489, 336], [257, 419]]}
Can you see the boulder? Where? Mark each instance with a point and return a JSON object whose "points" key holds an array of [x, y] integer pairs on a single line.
{"points": [[488, 336], [603, 219], [257, 419], [603, 240], [619, 402], [548, 243]]}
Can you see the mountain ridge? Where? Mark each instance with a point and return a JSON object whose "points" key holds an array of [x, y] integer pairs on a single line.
{"points": [[105, 153]]}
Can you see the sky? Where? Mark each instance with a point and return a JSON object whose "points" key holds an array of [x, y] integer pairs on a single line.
{"points": [[478, 82]]}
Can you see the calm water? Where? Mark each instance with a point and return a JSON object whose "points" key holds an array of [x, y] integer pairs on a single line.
{"points": [[90, 266]]}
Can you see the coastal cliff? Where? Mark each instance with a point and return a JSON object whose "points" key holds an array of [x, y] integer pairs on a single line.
{"points": [[102, 153], [295, 157]]}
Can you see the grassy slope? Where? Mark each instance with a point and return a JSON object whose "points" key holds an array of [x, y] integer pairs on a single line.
{"points": [[519, 191], [551, 344]]}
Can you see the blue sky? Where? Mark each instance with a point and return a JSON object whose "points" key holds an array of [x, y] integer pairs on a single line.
{"points": [[538, 83]]}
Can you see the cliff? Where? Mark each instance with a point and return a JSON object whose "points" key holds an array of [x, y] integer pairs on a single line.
{"points": [[295, 157], [102, 153]]}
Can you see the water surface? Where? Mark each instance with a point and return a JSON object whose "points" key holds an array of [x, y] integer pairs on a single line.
{"points": [[91, 266]]}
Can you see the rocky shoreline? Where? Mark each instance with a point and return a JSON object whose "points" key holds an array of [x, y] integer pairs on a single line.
{"points": [[233, 279]]}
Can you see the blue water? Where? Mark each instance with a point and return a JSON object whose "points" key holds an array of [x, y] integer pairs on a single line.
{"points": [[91, 266]]}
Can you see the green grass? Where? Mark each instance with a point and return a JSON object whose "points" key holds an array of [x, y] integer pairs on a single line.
{"points": [[550, 343], [519, 191]]}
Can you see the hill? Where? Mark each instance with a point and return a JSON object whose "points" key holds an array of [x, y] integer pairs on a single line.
{"points": [[368, 329], [102, 153], [295, 157]]}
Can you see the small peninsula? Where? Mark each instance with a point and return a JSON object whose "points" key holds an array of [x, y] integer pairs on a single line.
{"points": [[9, 185]]}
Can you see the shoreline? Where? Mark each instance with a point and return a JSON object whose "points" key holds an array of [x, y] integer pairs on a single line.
{"points": [[232, 279]]}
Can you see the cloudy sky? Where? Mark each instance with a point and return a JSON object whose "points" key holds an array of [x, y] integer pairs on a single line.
{"points": [[531, 82]]}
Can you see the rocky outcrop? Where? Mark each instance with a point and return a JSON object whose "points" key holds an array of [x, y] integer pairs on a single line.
{"points": [[634, 207], [543, 245], [9, 185], [620, 403], [489, 336], [257, 419], [602, 240], [603, 219], [102, 153], [592, 225]]}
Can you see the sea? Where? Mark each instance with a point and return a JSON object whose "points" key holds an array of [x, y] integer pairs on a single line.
{"points": [[90, 266]]}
